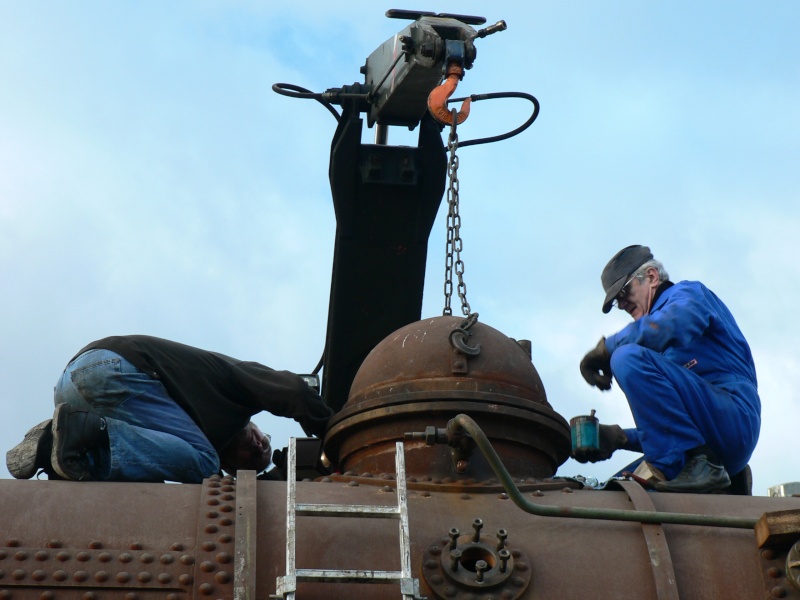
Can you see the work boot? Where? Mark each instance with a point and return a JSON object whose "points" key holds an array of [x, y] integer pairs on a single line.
{"points": [[699, 476], [32, 453], [76, 432]]}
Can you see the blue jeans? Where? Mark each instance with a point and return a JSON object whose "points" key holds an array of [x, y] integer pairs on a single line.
{"points": [[151, 437]]}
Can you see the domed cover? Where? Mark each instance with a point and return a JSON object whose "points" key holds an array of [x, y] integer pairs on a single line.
{"points": [[426, 373]]}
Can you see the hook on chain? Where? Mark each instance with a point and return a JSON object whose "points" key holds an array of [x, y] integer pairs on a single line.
{"points": [[459, 336], [437, 99]]}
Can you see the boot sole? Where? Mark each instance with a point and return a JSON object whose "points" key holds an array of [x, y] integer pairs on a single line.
{"points": [[60, 417], [23, 459]]}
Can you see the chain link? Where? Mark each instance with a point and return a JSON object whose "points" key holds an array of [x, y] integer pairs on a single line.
{"points": [[454, 242]]}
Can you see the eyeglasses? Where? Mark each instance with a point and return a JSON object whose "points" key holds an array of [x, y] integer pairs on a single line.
{"points": [[624, 291]]}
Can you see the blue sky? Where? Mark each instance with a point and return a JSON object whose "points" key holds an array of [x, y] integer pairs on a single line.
{"points": [[151, 182]]}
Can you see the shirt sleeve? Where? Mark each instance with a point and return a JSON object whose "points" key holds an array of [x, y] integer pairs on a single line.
{"points": [[633, 444], [682, 318]]}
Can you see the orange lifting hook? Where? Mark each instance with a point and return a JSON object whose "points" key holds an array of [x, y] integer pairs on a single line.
{"points": [[437, 99]]}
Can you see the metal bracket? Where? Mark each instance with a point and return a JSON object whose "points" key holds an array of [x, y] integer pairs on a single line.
{"points": [[657, 547]]}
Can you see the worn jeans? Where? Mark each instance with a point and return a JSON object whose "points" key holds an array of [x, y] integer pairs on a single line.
{"points": [[151, 437]]}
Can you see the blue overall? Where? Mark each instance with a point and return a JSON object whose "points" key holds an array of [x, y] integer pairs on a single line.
{"points": [[689, 378]]}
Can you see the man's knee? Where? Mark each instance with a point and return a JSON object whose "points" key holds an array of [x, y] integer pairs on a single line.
{"points": [[627, 360], [210, 463]]}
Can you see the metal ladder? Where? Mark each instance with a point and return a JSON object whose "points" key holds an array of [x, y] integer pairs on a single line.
{"points": [[287, 585]]}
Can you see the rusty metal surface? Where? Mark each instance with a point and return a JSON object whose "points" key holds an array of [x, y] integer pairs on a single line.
{"points": [[478, 562], [106, 541], [410, 381], [214, 543], [245, 542], [67, 540], [286, 586], [447, 485], [422, 350], [657, 547], [779, 572]]}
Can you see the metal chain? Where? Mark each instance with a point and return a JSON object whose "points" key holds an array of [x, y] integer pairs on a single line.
{"points": [[454, 242]]}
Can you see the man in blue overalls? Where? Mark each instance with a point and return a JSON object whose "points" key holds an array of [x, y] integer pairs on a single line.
{"points": [[686, 371]]}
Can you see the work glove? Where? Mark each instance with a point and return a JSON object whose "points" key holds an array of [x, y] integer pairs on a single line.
{"points": [[611, 438], [596, 366], [315, 415]]}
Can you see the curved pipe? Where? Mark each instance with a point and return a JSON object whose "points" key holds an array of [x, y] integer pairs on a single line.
{"points": [[516, 496]]}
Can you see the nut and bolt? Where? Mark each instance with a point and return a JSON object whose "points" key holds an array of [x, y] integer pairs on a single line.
{"points": [[502, 535], [480, 569], [477, 525], [455, 557], [453, 533], [504, 556]]}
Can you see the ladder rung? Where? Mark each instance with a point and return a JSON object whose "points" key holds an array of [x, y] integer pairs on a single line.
{"points": [[348, 576], [286, 586], [355, 510]]}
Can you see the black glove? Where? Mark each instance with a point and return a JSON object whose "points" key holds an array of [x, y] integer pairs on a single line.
{"points": [[279, 459], [596, 366], [315, 418], [612, 438]]}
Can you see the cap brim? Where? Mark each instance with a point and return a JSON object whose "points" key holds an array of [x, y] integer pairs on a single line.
{"points": [[613, 291]]}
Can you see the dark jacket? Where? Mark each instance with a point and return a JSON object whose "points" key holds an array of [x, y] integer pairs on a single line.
{"points": [[220, 393]]}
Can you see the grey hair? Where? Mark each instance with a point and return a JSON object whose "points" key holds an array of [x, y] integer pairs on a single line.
{"points": [[655, 264]]}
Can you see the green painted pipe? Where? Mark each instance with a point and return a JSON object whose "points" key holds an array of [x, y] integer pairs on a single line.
{"points": [[607, 514]]}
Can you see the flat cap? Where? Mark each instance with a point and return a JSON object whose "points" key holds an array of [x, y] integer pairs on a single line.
{"points": [[619, 269]]}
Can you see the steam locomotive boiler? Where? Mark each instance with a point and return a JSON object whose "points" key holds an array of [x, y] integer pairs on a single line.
{"points": [[444, 446]]}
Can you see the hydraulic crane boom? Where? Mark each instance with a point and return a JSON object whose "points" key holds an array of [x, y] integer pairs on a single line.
{"points": [[386, 197]]}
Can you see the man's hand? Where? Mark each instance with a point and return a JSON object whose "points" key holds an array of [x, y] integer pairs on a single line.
{"points": [[596, 366], [316, 414], [612, 438]]}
